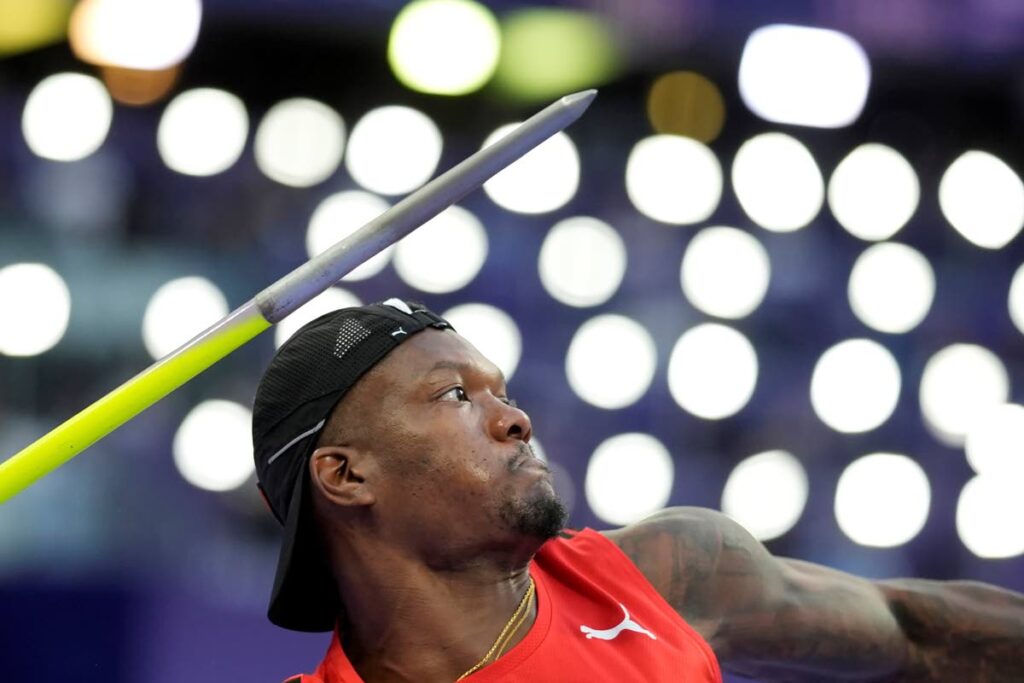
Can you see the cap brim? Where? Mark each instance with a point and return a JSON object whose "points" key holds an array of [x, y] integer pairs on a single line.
{"points": [[304, 596]]}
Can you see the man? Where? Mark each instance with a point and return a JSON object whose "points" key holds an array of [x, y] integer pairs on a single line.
{"points": [[420, 528]]}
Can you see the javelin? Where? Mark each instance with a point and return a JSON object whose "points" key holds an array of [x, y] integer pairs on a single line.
{"points": [[275, 302]]}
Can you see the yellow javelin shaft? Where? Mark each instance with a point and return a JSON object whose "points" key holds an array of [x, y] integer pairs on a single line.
{"points": [[128, 400], [280, 299]]}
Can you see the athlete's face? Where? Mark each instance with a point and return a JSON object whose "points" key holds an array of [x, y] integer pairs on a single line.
{"points": [[453, 449]]}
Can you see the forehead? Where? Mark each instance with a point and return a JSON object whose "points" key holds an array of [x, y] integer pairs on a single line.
{"points": [[434, 350]]}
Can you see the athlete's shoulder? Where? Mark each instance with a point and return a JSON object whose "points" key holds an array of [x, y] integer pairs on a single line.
{"points": [[692, 527]]}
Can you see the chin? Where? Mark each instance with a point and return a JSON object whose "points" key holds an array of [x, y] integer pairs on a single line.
{"points": [[539, 514]]}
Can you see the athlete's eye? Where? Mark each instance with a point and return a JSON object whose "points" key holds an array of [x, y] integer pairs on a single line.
{"points": [[454, 394]]}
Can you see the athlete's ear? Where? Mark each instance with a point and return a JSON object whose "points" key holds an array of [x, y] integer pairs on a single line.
{"points": [[340, 474]]}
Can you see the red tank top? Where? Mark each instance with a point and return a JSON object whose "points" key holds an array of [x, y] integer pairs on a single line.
{"points": [[598, 619]]}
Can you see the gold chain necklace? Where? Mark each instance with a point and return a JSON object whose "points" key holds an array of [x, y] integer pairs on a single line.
{"points": [[517, 618]]}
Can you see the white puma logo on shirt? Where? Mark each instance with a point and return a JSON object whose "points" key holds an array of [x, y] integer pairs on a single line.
{"points": [[610, 634]]}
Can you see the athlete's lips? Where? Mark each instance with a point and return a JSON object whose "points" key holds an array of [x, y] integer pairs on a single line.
{"points": [[525, 458]]}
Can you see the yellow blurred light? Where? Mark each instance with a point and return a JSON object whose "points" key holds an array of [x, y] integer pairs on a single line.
{"points": [[547, 52], [137, 87], [155, 34], [686, 103], [444, 47], [26, 24]]}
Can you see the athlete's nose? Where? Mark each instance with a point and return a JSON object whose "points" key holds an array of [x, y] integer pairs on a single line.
{"points": [[509, 422]]}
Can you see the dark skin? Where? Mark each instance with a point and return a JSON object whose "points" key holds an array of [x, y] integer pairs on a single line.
{"points": [[419, 478]]}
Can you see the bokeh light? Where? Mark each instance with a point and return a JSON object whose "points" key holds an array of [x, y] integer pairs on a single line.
{"points": [[340, 215], [983, 199], [582, 261], [873, 192], [67, 117], [444, 254], [882, 500], [1015, 300], [959, 384], [543, 180], [766, 493], [27, 25], [202, 132], [629, 477], [686, 103], [37, 307], [155, 34], [725, 272], [777, 182], [393, 150], [995, 442], [611, 361], [855, 386], [213, 446], [673, 179], [891, 287], [178, 311], [988, 516], [492, 331], [804, 76], [299, 142], [712, 371], [444, 47], [331, 299], [548, 52]]}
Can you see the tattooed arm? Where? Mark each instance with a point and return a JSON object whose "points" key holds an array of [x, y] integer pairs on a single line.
{"points": [[788, 620]]}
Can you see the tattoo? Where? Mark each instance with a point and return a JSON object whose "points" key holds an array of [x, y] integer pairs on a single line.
{"points": [[795, 621]]}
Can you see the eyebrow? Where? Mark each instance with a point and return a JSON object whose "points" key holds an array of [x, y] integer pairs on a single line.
{"points": [[461, 367]]}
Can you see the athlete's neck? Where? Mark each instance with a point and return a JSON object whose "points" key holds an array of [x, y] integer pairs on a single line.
{"points": [[410, 620]]}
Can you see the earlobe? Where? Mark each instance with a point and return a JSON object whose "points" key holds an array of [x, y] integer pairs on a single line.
{"points": [[339, 473]]}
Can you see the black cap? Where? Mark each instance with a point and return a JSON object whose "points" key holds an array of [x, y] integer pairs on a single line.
{"points": [[306, 379]]}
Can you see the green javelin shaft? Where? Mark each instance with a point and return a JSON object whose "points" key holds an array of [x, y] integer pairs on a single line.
{"points": [[279, 299]]}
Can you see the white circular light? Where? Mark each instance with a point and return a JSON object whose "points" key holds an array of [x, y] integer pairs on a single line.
{"points": [[543, 180], [988, 517], [582, 261], [67, 117], [766, 493], [983, 199], [882, 500], [329, 300], [855, 386], [777, 182], [213, 446], [629, 477], [491, 331], [202, 132], [393, 150], [725, 272], [891, 287], [804, 76], [299, 142], [444, 47], [443, 255], [148, 36], [178, 311], [673, 179], [37, 307], [873, 192], [1016, 299], [611, 361], [995, 442], [959, 384], [340, 215], [712, 371]]}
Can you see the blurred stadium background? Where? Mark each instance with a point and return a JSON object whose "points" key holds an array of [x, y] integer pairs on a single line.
{"points": [[774, 270]]}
